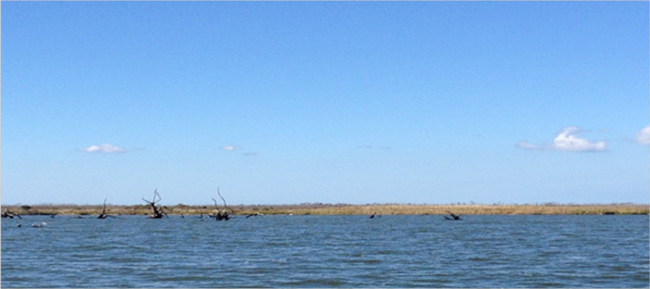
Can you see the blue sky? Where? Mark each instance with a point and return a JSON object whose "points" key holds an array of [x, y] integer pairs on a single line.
{"points": [[333, 102]]}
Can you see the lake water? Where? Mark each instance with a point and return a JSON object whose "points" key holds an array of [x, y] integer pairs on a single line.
{"points": [[327, 251]]}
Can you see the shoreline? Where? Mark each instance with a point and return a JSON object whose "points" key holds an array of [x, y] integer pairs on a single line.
{"points": [[342, 209]]}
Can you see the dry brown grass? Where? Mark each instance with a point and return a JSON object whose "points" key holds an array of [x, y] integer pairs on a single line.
{"points": [[400, 209], [345, 209]]}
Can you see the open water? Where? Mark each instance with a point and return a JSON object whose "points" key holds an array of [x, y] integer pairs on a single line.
{"points": [[327, 251]]}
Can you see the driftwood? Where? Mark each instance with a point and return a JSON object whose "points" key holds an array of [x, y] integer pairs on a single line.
{"points": [[103, 215], [253, 215], [157, 211], [219, 214], [453, 217], [9, 214]]}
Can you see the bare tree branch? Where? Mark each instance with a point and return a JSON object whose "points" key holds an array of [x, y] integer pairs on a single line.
{"points": [[156, 210], [221, 215], [103, 214], [224, 200]]}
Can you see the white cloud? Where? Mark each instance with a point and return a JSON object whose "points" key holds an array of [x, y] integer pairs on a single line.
{"points": [[527, 146], [104, 148], [567, 141], [369, 147], [229, 148], [643, 136]]}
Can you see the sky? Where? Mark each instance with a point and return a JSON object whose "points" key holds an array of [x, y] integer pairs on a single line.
{"points": [[325, 102]]}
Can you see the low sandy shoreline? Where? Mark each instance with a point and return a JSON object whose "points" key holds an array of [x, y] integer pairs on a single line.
{"points": [[343, 209]]}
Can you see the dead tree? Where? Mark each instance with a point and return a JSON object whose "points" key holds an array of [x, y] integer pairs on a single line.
{"points": [[103, 215], [9, 214], [453, 217], [221, 215], [157, 211]]}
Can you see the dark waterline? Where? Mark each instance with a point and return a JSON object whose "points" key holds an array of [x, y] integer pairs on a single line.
{"points": [[328, 251]]}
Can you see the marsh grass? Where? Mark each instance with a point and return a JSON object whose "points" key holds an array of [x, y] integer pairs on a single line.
{"points": [[345, 209]]}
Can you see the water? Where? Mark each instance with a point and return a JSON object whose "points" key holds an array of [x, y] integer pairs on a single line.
{"points": [[328, 251]]}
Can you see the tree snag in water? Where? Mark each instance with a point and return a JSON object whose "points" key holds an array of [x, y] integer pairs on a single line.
{"points": [[253, 215], [157, 211], [9, 214], [453, 217], [221, 215], [103, 214]]}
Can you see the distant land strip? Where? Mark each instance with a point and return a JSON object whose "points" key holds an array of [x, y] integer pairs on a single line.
{"points": [[343, 209]]}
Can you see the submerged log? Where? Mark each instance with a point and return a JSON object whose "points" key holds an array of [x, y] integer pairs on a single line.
{"points": [[9, 214], [253, 215], [453, 217]]}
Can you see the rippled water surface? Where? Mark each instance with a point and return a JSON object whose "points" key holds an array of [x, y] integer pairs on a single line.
{"points": [[327, 251]]}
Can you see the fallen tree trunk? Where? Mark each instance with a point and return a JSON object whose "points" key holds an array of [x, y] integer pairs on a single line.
{"points": [[9, 214], [453, 217]]}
